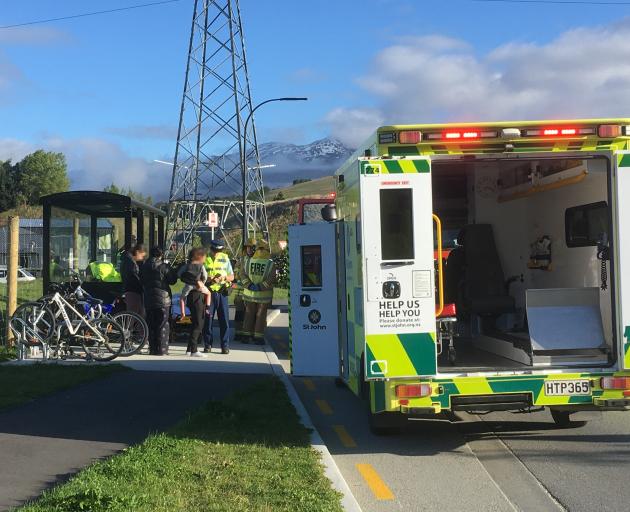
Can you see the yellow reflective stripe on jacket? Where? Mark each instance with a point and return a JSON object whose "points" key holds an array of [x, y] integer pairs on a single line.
{"points": [[217, 266], [260, 272]]}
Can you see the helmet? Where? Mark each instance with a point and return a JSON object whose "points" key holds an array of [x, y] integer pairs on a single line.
{"points": [[262, 244], [217, 245], [251, 243]]}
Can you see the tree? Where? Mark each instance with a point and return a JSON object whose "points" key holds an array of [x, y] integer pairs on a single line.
{"points": [[7, 186], [279, 196], [42, 173], [297, 181], [115, 189]]}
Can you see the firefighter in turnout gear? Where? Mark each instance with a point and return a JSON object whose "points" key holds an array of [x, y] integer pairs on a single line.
{"points": [[220, 277], [240, 283], [258, 293]]}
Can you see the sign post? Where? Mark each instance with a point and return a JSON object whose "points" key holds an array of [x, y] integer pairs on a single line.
{"points": [[213, 221]]}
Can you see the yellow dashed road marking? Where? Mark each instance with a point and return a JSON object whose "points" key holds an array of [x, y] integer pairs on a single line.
{"points": [[344, 437], [324, 407], [309, 384], [375, 482]]}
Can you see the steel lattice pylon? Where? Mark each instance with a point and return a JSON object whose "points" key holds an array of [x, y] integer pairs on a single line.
{"points": [[207, 170]]}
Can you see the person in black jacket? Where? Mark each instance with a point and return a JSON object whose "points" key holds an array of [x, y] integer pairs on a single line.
{"points": [[130, 273], [156, 278]]}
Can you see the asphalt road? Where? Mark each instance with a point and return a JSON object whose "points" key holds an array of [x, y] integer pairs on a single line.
{"points": [[495, 462]]}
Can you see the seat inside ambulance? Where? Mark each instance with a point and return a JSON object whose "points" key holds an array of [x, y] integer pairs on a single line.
{"points": [[524, 276]]}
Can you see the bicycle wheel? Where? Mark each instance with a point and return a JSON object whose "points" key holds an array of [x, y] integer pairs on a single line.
{"points": [[33, 323], [105, 344], [136, 331]]}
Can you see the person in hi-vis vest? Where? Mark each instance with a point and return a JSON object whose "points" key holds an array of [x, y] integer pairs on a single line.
{"points": [[258, 280], [220, 277], [237, 290]]}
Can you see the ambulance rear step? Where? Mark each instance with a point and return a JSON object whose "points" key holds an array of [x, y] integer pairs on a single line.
{"points": [[506, 402]]}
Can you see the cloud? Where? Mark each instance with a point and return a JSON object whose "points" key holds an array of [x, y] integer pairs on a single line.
{"points": [[309, 75], [160, 131], [353, 125], [95, 163], [584, 72], [33, 36]]}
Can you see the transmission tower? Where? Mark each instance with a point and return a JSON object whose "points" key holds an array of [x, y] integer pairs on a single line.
{"points": [[208, 174]]}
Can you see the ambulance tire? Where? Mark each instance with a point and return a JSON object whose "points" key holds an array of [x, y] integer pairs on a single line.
{"points": [[561, 418]]}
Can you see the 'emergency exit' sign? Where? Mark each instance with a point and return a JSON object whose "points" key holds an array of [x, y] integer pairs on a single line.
{"points": [[213, 220]]}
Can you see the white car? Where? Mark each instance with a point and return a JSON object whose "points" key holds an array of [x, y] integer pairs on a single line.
{"points": [[24, 276]]}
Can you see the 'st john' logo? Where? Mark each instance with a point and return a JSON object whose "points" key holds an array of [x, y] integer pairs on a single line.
{"points": [[314, 316]]}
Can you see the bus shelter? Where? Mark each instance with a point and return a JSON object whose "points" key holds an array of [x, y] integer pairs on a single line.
{"points": [[82, 227]]}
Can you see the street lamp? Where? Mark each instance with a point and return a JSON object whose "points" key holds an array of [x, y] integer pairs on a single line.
{"points": [[244, 158]]}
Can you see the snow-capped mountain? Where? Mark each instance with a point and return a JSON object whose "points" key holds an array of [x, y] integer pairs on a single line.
{"points": [[314, 160]]}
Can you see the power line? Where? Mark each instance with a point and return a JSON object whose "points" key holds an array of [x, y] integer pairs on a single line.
{"points": [[557, 2], [85, 14]]}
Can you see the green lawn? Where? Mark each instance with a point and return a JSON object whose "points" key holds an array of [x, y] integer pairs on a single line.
{"points": [[23, 383], [317, 187], [246, 453]]}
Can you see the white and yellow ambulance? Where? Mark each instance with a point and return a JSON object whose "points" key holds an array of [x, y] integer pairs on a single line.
{"points": [[472, 267]]}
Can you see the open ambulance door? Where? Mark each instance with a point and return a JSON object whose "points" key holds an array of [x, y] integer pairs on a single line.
{"points": [[314, 325], [399, 276], [622, 233]]}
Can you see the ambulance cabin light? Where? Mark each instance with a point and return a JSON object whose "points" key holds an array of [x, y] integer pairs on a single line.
{"points": [[387, 138], [409, 137], [612, 130], [619, 383], [413, 390]]}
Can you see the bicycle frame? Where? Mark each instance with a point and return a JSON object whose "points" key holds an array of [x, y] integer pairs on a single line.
{"points": [[62, 304]]}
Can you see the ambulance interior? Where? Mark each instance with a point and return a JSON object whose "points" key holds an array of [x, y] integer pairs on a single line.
{"points": [[527, 275]]}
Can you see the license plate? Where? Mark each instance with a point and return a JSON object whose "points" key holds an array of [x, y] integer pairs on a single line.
{"points": [[567, 387]]}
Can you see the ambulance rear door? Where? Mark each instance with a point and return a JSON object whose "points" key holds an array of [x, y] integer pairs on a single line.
{"points": [[399, 276], [314, 300]]}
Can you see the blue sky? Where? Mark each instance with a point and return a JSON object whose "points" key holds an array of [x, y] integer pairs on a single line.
{"points": [[109, 87]]}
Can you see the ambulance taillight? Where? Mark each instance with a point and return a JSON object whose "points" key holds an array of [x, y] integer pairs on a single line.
{"points": [[413, 390], [618, 383]]}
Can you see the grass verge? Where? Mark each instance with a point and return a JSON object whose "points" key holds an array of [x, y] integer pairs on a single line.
{"points": [[23, 383], [246, 453]]}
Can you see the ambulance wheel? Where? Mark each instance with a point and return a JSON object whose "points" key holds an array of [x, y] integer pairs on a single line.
{"points": [[386, 423], [561, 418], [339, 382]]}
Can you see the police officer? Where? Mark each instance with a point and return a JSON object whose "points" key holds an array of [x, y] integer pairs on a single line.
{"points": [[220, 277], [237, 290], [258, 294]]}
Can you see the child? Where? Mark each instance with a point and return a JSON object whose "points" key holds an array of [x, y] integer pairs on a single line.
{"points": [[194, 276]]}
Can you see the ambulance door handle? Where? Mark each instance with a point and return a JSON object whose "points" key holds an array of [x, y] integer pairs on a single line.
{"points": [[396, 263], [348, 303]]}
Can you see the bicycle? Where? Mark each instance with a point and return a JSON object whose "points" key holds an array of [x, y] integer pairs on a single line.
{"points": [[135, 327], [34, 324]]}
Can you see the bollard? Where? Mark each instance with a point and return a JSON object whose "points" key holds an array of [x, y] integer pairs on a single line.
{"points": [[12, 268]]}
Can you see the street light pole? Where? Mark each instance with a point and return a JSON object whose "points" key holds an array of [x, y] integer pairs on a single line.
{"points": [[244, 158]]}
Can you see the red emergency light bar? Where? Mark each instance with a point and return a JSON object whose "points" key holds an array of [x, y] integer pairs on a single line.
{"points": [[557, 132], [462, 135]]}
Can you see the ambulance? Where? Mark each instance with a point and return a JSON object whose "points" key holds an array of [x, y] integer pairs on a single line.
{"points": [[472, 267]]}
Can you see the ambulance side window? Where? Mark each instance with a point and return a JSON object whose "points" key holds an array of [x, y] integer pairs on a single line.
{"points": [[585, 225], [311, 266], [396, 224]]}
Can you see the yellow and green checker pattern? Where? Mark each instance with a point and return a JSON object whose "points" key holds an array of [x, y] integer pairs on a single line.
{"points": [[400, 355], [397, 166], [383, 392]]}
